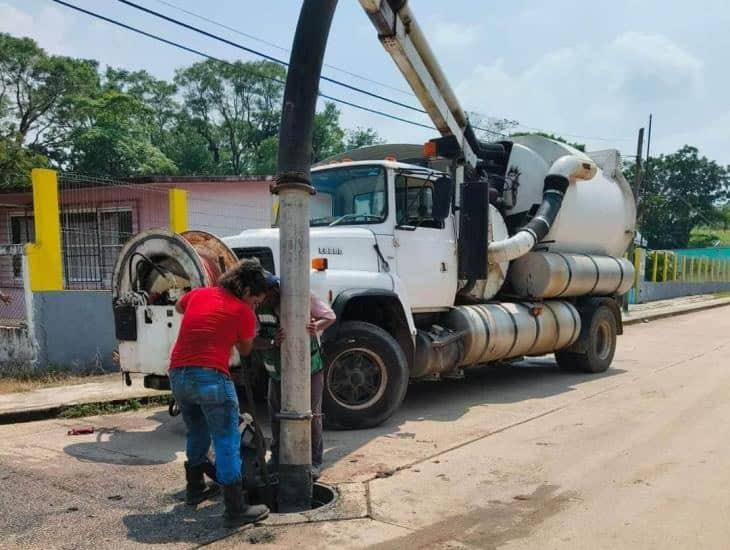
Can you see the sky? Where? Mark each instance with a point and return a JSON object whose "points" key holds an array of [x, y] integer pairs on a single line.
{"points": [[581, 69]]}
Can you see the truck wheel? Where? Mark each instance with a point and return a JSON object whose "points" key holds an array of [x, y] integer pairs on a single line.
{"points": [[366, 377], [598, 340]]}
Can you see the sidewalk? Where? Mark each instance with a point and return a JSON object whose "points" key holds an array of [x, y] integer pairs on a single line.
{"points": [[676, 306], [50, 402]]}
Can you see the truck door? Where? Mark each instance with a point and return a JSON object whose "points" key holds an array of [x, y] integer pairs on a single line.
{"points": [[425, 247]]}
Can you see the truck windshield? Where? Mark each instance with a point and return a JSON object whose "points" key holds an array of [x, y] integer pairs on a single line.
{"points": [[353, 195]]}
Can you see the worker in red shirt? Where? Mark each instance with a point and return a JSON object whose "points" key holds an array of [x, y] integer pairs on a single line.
{"points": [[215, 319]]}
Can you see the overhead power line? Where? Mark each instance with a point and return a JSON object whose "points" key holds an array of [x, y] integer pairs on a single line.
{"points": [[266, 56], [274, 79], [280, 48], [211, 57], [355, 75]]}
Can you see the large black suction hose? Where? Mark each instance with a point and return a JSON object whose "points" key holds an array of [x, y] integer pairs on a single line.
{"points": [[564, 171]]}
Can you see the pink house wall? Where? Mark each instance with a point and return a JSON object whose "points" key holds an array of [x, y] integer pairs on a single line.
{"points": [[223, 208]]}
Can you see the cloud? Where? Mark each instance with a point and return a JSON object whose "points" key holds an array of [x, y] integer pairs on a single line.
{"points": [[49, 27], [446, 34], [604, 90]]}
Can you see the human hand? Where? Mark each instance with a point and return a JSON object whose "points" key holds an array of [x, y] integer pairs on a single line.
{"points": [[280, 337], [5, 298], [312, 328]]}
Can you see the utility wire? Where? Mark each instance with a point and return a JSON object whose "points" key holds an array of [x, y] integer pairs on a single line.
{"points": [[278, 61], [266, 56], [280, 48], [325, 78], [211, 57]]}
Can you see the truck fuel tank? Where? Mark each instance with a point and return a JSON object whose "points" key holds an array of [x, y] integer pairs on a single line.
{"points": [[554, 274]]}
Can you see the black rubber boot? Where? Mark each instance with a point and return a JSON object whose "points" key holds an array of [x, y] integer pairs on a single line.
{"points": [[196, 490], [237, 512]]}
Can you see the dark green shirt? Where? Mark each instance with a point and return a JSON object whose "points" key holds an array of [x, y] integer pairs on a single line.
{"points": [[271, 358]]}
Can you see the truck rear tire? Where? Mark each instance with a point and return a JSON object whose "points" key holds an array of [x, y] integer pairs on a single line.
{"points": [[598, 342], [366, 377]]}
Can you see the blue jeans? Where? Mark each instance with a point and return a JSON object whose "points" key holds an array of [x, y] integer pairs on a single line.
{"points": [[209, 406]]}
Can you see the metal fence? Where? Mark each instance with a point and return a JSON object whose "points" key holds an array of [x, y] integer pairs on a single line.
{"points": [[98, 215], [666, 266], [13, 285]]}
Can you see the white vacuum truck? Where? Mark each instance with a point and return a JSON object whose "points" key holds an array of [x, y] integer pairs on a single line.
{"points": [[436, 260], [390, 247]]}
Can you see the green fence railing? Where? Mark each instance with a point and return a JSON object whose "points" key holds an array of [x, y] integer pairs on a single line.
{"points": [[666, 266]]}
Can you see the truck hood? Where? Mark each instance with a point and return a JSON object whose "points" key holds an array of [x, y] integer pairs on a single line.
{"points": [[346, 248]]}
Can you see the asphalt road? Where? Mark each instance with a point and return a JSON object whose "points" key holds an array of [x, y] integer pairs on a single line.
{"points": [[512, 457]]}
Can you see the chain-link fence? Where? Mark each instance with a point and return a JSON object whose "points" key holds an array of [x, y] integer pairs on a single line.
{"points": [[98, 215], [16, 229]]}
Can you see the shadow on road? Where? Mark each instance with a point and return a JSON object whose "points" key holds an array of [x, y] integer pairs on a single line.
{"points": [[130, 446], [181, 524]]}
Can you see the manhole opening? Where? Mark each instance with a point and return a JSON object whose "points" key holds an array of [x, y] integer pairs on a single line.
{"points": [[321, 495]]}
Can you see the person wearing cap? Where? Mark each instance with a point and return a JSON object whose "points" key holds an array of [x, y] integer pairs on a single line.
{"points": [[268, 344]]}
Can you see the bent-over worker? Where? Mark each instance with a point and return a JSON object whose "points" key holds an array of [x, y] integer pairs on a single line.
{"points": [[214, 320]]}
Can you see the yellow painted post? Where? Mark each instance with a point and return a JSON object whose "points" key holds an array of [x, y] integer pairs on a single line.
{"points": [[684, 268], [638, 276], [178, 210], [666, 267], [44, 255], [676, 266], [654, 266]]}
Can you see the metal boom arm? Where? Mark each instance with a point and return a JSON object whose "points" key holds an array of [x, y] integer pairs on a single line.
{"points": [[405, 42]]}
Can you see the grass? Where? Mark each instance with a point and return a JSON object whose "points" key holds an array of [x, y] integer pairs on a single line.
{"points": [[25, 379], [94, 409], [702, 237]]}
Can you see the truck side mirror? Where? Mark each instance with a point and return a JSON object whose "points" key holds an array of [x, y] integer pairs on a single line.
{"points": [[442, 193]]}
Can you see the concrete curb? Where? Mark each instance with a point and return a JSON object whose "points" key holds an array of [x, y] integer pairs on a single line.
{"points": [[55, 411], [680, 310]]}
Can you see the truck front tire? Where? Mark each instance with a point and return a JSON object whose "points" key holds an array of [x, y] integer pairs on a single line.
{"points": [[597, 343], [366, 377]]}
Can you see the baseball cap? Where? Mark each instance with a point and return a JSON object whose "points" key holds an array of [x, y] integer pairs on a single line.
{"points": [[271, 279]]}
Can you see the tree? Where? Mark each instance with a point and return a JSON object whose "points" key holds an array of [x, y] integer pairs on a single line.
{"points": [[327, 135], [679, 192], [35, 87], [214, 118], [234, 107], [112, 138], [16, 162], [361, 137]]}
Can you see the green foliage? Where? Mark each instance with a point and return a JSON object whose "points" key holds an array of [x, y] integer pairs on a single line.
{"points": [[361, 137], [705, 237], [661, 259], [214, 118], [94, 409], [679, 192], [327, 136]]}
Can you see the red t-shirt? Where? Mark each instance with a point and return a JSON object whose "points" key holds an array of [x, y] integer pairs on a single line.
{"points": [[214, 320]]}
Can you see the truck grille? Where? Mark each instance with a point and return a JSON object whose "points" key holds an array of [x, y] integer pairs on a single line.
{"points": [[262, 253]]}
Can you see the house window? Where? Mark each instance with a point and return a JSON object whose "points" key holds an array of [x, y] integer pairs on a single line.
{"points": [[22, 231], [91, 242]]}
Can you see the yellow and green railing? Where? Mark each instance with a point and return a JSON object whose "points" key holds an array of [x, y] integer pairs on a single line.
{"points": [[668, 266]]}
